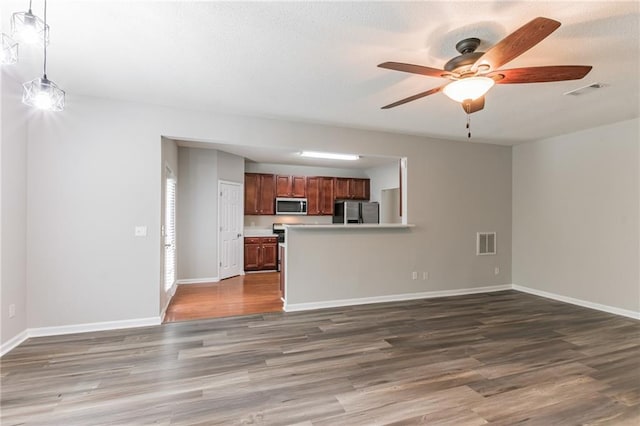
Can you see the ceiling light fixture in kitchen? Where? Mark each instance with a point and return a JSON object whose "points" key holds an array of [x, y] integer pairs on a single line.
{"points": [[329, 155]]}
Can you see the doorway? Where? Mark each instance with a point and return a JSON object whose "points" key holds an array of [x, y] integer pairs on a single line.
{"points": [[230, 224]]}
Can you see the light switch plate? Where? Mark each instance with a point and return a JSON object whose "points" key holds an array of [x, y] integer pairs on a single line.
{"points": [[140, 231]]}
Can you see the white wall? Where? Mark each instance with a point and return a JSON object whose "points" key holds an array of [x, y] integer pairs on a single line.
{"points": [[13, 209], [576, 217], [454, 191], [93, 174], [230, 168], [197, 213], [85, 265], [383, 177]]}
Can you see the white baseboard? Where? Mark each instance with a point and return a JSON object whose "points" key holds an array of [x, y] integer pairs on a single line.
{"points": [[198, 280], [93, 326], [579, 302], [13, 342], [77, 328], [294, 307]]}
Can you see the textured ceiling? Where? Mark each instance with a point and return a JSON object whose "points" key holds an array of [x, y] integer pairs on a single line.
{"points": [[316, 61]]}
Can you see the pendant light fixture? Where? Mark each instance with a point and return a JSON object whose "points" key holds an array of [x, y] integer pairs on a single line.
{"points": [[28, 28], [9, 54], [43, 93]]}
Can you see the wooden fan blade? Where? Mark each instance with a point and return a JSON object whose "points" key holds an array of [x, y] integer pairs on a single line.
{"points": [[470, 106], [540, 74], [414, 97], [518, 42], [413, 69]]}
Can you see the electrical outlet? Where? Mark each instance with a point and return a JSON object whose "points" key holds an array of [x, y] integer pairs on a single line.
{"points": [[496, 270], [414, 275], [140, 231], [12, 310], [425, 276]]}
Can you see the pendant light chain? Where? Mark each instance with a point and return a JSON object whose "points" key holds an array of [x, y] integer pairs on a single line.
{"points": [[46, 37]]}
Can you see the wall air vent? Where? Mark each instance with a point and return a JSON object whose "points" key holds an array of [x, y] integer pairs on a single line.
{"points": [[585, 89], [485, 243]]}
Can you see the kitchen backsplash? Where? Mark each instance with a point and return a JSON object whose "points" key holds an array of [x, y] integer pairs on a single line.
{"points": [[267, 221]]}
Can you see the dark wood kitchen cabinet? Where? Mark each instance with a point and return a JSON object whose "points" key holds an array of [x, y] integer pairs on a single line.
{"points": [[291, 186], [259, 194], [352, 189], [320, 195], [260, 253]]}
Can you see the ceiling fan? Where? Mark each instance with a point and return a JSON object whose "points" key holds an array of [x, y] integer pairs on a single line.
{"points": [[474, 73]]}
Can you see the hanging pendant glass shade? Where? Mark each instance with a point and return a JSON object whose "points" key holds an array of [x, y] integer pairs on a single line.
{"points": [[43, 94], [29, 29], [9, 54]]}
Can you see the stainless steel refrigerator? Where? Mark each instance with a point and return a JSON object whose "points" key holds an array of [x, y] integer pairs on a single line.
{"points": [[346, 212]]}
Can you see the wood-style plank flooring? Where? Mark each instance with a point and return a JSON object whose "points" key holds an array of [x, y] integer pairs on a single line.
{"points": [[242, 295], [500, 358]]}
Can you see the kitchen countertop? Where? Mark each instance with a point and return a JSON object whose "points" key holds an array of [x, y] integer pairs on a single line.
{"points": [[352, 226], [259, 232]]}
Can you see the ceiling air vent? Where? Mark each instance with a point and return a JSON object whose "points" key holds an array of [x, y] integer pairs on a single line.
{"points": [[585, 89], [485, 243]]}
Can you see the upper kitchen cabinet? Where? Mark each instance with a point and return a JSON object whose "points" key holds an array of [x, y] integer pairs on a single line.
{"points": [[352, 189], [259, 194], [320, 196], [291, 186]]}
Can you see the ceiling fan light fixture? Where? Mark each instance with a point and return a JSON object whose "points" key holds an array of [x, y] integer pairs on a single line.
{"points": [[9, 53], [329, 155], [468, 88]]}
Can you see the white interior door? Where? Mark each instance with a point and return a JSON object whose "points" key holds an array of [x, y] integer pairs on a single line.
{"points": [[230, 217], [169, 230]]}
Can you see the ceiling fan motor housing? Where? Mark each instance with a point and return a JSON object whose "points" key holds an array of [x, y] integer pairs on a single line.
{"points": [[468, 57]]}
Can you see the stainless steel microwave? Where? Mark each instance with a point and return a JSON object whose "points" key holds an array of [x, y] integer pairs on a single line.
{"points": [[291, 206]]}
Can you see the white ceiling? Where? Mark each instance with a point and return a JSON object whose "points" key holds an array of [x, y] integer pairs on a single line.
{"points": [[316, 61]]}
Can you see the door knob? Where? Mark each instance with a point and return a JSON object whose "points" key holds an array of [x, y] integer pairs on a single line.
{"points": [[239, 235]]}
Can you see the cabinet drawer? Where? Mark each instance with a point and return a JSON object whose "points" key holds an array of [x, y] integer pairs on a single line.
{"points": [[260, 240]]}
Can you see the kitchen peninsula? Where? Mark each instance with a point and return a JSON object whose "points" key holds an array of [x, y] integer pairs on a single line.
{"points": [[334, 265]]}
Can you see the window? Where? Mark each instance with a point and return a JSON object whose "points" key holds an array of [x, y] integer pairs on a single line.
{"points": [[170, 230]]}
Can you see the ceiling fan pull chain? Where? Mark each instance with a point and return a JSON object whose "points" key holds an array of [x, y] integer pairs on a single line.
{"points": [[469, 121]]}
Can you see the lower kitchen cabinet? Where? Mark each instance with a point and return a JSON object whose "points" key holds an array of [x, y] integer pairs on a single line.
{"points": [[260, 253]]}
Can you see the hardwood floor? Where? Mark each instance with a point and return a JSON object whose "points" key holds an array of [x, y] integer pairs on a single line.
{"points": [[500, 358], [242, 295]]}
